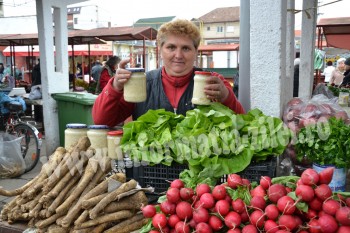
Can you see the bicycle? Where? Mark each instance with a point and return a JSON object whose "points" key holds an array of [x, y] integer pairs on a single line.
{"points": [[31, 138]]}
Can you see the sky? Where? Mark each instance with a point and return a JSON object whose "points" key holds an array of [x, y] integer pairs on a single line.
{"points": [[125, 13]]}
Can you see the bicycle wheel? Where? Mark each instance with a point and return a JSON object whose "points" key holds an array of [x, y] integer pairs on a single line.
{"points": [[30, 144]]}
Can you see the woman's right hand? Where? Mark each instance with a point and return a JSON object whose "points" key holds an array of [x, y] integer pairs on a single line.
{"points": [[121, 76]]}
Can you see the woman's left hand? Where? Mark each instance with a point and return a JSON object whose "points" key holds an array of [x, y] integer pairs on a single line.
{"points": [[215, 89]]}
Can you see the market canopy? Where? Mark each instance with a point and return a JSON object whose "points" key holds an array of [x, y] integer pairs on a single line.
{"points": [[336, 31], [93, 36], [79, 50]]}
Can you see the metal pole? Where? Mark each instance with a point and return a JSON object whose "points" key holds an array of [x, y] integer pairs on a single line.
{"points": [[244, 58]]}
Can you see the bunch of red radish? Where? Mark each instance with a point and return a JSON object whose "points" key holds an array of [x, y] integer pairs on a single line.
{"points": [[271, 209]]}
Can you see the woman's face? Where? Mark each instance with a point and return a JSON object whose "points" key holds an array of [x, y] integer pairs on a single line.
{"points": [[341, 65], [178, 54]]}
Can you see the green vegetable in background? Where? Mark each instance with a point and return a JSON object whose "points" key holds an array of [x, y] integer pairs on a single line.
{"points": [[212, 140], [326, 143]]}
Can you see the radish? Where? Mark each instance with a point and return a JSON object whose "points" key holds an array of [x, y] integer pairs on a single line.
{"points": [[236, 230], [182, 227], [265, 182], [172, 220], [305, 192], [232, 220], [311, 213], [173, 195], [249, 229], [343, 229], [314, 226], [287, 222], [201, 189], [257, 218], [316, 204], [215, 223], [286, 205], [323, 192], [271, 211], [246, 183], [234, 180], [347, 200], [184, 210], [326, 175], [222, 207], [203, 228], [328, 224], [258, 191], [244, 217], [343, 216], [238, 205], [154, 231], [219, 192], [207, 200], [271, 226], [148, 211], [177, 184], [275, 192], [167, 207], [186, 193], [200, 215], [330, 206], [258, 202], [309, 177], [159, 221], [192, 224]]}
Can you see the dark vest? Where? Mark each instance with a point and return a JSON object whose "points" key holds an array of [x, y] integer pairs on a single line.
{"points": [[156, 98]]}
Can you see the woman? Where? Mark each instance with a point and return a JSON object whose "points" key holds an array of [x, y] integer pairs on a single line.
{"points": [[338, 74], [169, 87], [107, 72]]}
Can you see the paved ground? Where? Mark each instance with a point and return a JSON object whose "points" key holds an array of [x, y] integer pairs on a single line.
{"points": [[13, 183]]}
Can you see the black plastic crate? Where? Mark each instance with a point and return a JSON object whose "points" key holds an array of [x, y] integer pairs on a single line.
{"points": [[257, 169], [158, 176]]}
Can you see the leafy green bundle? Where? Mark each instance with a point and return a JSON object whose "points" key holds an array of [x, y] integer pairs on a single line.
{"points": [[212, 140], [326, 143]]}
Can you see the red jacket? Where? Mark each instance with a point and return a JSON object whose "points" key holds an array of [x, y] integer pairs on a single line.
{"points": [[111, 109]]}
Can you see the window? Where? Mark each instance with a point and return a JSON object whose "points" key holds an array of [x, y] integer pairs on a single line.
{"points": [[75, 20], [220, 29], [208, 28], [230, 29]]}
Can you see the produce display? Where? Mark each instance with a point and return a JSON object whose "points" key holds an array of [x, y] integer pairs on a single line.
{"points": [[321, 131], [76, 192], [212, 140], [278, 205]]}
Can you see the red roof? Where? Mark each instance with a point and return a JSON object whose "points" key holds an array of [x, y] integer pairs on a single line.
{"points": [[336, 31]]}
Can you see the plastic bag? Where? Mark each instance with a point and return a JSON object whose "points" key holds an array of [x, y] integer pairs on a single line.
{"points": [[35, 92], [11, 161], [299, 113]]}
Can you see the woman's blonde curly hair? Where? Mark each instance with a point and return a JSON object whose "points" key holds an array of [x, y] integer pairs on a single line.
{"points": [[179, 27]]}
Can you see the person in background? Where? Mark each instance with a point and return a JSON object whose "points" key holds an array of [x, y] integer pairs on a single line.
{"points": [[36, 74], [2, 68], [169, 87], [328, 71], [96, 70], [296, 75], [338, 74], [236, 82], [346, 80], [108, 71]]}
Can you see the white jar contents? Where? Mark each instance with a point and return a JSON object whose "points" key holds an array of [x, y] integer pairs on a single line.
{"points": [[72, 134], [198, 96], [135, 88], [97, 135], [113, 140]]}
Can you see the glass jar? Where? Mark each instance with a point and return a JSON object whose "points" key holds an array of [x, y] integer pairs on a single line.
{"points": [[72, 134], [113, 142], [97, 135], [135, 89], [198, 96]]}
